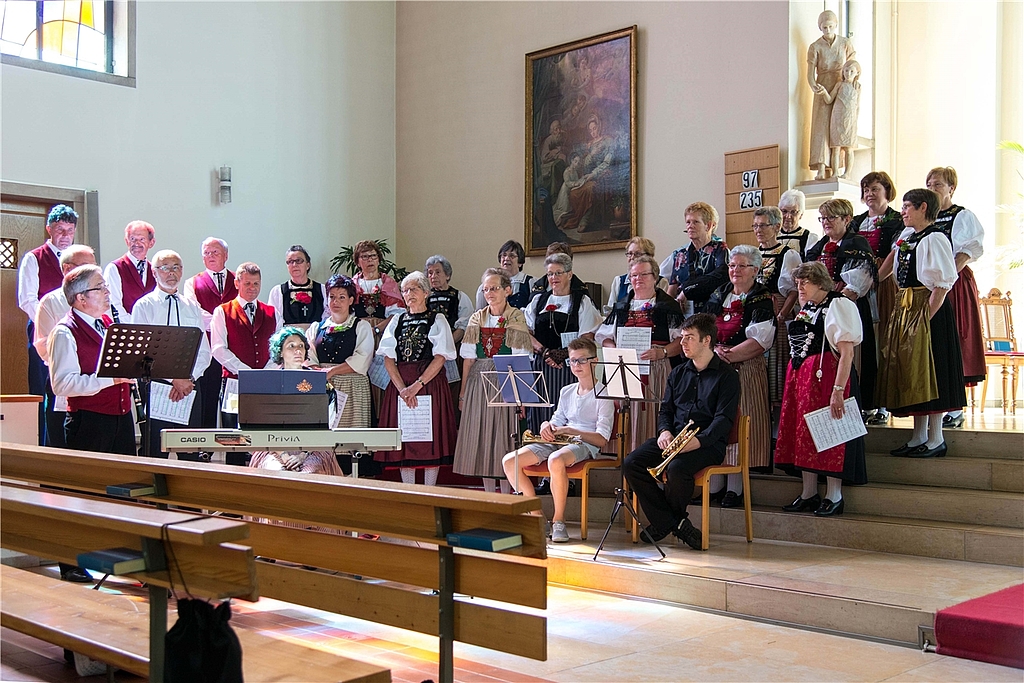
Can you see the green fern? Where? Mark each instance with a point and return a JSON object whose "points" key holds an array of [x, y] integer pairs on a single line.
{"points": [[346, 260]]}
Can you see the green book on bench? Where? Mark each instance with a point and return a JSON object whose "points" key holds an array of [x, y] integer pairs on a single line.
{"points": [[485, 539], [113, 561]]}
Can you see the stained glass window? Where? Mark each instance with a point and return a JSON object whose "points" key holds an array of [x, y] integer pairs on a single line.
{"points": [[70, 32]]}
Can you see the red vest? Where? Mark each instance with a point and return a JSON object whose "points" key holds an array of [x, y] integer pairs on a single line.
{"points": [[50, 275], [115, 400], [206, 290], [249, 342], [132, 288]]}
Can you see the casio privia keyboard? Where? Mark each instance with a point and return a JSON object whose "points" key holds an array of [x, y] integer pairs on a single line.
{"points": [[235, 440]]}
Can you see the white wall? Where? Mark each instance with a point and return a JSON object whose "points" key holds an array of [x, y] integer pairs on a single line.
{"points": [[712, 79], [297, 97]]}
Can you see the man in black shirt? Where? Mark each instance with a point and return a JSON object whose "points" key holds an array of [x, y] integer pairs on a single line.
{"points": [[704, 389]]}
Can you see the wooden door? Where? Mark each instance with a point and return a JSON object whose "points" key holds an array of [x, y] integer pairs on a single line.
{"points": [[23, 211]]}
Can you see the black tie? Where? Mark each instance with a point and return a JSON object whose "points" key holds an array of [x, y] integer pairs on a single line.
{"points": [[100, 327], [58, 255], [177, 311], [220, 282], [141, 265], [250, 310]]}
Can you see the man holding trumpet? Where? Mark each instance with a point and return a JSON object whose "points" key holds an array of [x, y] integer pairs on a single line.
{"points": [[701, 397]]}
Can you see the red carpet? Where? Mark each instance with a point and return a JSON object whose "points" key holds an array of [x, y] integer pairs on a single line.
{"points": [[986, 629]]}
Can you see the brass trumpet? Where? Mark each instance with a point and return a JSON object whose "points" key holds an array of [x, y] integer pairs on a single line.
{"points": [[530, 437], [674, 448]]}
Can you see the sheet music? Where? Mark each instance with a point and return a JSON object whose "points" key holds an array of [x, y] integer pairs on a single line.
{"points": [[638, 339], [340, 399], [161, 407], [828, 432], [613, 377], [229, 403], [60, 404], [416, 423], [378, 374], [568, 337]]}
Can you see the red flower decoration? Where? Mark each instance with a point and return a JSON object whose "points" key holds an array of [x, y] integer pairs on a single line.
{"points": [[303, 297], [831, 247], [551, 307], [502, 321]]}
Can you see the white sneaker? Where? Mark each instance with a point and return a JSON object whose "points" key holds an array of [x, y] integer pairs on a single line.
{"points": [[558, 532]]}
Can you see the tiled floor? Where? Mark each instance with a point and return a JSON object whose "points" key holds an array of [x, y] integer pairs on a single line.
{"points": [[591, 637]]}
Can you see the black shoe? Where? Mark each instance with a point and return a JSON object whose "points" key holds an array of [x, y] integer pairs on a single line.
{"points": [[923, 451], [949, 422], [76, 575], [879, 417], [650, 532], [543, 488], [903, 450], [803, 504], [732, 500], [688, 534], [713, 498], [830, 509]]}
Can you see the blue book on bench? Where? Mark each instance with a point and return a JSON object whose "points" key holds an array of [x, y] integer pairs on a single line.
{"points": [[485, 539], [113, 561]]}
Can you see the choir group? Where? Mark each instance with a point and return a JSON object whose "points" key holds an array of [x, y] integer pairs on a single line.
{"points": [[882, 308]]}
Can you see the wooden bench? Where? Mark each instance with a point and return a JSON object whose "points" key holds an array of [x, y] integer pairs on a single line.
{"points": [[111, 629], [393, 510]]}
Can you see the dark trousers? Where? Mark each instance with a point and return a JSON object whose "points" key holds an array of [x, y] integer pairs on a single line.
{"points": [[209, 392], [230, 421], [194, 422], [38, 379], [54, 420], [666, 508], [85, 430]]}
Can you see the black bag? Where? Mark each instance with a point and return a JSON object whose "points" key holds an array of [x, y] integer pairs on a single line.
{"points": [[202, 647]]}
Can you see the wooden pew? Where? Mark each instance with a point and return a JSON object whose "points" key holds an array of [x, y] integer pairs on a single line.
{"points": [[111, 628], [416, 513]]}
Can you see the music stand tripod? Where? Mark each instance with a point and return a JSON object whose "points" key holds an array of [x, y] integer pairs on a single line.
{"points": [[624, 385], [142, 352], [514, 382]]}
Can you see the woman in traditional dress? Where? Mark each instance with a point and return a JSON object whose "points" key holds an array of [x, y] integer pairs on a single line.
{"points": [[378, 300], [647, 306], [698, 269], [621, 287], [415, 346], [343, 345], [300, 301], [922, 372], [827, 323], [791, 205], [745, 318], [456, 307], [511, 258], [778, 261], [965, 232], [851, 263], [555, 317], [879, 225], [289, 350], [499, 329]]}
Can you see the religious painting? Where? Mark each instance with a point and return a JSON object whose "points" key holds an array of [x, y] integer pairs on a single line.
{"points": [[581, 144]]}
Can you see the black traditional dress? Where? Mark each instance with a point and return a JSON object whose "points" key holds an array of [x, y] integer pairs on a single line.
{"points": [[964, 230], [851, 263], [776, 274], [880, 232], [739, 318], [922, 371], [799, 240], [298, 305], [699, 272], [813, 337], [412, 340]]}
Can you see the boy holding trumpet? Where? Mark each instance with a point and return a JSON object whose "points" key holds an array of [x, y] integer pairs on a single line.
{"points": [[579, 428]]}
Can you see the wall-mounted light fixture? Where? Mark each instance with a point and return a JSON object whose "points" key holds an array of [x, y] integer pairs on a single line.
{"points": [[224, 190]]}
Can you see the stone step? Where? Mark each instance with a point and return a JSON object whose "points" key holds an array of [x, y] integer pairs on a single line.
{"points": [[965, 473], [962, 506], [901, 535], [962, 443]]}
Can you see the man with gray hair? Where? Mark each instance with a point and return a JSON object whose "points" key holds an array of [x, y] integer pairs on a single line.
{"points": [[49, 312], [131, 277]]}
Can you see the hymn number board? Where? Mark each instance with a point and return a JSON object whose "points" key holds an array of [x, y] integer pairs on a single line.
{"points": [[751, 181]]}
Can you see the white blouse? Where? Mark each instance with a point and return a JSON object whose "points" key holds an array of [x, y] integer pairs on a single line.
{"points": [[762, 332], [589, 317], [469, 350], [935, 264], [790, 262], [842, 323], [361, 356], [607, 331], [440, 336], [968, 236]]}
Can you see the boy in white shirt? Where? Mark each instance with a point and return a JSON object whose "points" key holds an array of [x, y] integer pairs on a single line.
{"points": [[580, 413]]}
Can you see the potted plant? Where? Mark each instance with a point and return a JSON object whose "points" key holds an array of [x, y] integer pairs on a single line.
{"points": [[345, 260]]}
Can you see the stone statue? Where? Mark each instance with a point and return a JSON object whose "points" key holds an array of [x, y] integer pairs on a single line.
{"points": [[842, 130], [825, 59]]}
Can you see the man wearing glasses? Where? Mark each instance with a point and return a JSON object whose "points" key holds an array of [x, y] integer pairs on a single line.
{"points": [[131, 277], [579, 414], [165, 306]]}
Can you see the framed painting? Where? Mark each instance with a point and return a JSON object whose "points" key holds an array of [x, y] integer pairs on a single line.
{"points": [[581, 144]]}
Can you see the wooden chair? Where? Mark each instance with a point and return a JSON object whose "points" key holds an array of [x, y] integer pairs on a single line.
{"points": [[1000, 346], [703, 478]]}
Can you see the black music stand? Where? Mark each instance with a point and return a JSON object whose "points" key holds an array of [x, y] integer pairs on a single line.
{"points": [[623, 384], [514, 382], [143, 351]]}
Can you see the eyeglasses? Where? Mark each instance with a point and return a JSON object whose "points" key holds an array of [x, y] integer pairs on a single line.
{"points": [[295, 262], [635, 254], [169, 269], [101, 288], [734, 266], [639, 276], [790, 212], [829, 219], [372, 255], [138, 240], [410, 290], [557, 273], [491, 290], [761, 226], [577, 362]]}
